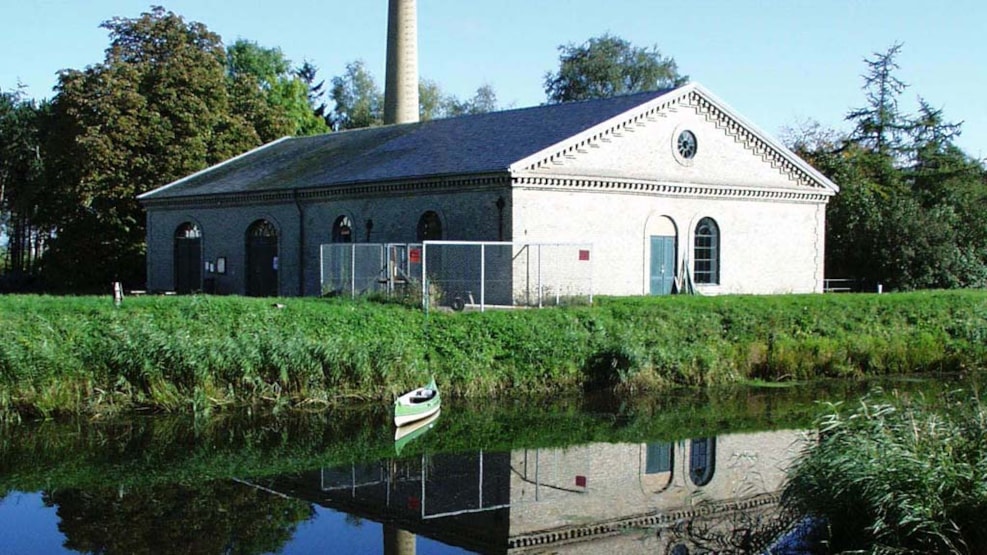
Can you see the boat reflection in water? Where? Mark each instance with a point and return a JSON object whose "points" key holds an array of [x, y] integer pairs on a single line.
{"points": [[715, 493], [403, 435]]}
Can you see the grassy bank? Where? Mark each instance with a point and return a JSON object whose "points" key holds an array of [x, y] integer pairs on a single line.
{"points": [[82, 354], [905, 476]]}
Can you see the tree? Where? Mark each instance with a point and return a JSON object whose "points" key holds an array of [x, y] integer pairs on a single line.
{"points": [[21, 182], [608, 66], [431, 100], [911, 208], [483, 101], [435, 104], [358, 99], [155, 110], [935, 163], [257, 73], [316, 93], [879, 125], [225, 517]]}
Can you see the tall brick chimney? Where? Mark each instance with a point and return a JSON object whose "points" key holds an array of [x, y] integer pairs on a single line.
{"points": [[401, 82]]}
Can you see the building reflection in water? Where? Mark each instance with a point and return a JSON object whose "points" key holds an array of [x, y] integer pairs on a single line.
{"points": [[697, 494]]}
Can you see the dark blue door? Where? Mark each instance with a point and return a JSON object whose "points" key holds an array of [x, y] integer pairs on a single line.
{"points": [[262, 260]]}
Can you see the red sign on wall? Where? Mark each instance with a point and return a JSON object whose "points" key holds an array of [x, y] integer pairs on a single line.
{"points": [[415, 256], [583, 254]]}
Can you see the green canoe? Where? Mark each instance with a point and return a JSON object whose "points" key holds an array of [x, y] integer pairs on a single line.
{"points": [[417, 404]]}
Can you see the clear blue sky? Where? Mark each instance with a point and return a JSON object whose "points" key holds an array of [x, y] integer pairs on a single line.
{"points": [[777, 62]]}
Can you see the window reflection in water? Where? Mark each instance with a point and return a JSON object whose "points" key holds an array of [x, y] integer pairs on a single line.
{"points": [[539, 497]]}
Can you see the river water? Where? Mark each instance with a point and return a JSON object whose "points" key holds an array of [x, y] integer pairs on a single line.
{"points": [[682, 472]]}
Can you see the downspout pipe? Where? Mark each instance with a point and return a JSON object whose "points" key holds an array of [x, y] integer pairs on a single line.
{"points": [[301, 242]]}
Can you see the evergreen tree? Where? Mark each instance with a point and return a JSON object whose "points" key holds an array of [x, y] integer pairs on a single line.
{"points": [[879, 125], [21, 183], [911, 208], [316, 91]]}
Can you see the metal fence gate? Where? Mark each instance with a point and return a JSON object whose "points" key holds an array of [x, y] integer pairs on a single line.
{"points": [[356, 269], [462, 274], [485, 274]]}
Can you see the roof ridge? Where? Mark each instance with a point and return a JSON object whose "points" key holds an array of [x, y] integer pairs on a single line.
{"points": [[571, 103], [608, 99]]}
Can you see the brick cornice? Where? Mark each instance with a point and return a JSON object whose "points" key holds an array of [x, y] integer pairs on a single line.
{"points": [[691, 190], [443, 184], [584, 532]]}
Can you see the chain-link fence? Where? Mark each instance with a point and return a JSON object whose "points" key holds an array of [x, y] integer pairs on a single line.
{"points": [[462, 274], [473, 274], [355, 269]]}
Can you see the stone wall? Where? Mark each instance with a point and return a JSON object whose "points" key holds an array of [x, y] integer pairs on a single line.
{"points": [[765, 246], [465, 214]]}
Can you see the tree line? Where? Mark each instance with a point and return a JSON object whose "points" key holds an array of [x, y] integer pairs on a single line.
{"points": [[170, 98], [912, 209]]}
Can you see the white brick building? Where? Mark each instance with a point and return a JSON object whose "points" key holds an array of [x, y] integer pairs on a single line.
{"points": [[665, 185]]}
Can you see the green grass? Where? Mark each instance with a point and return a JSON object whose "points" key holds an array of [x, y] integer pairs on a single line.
{"points": [[899, 476], [202, 353]]}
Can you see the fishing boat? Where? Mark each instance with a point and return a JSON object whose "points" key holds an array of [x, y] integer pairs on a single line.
{"points": [[417, 404], [404, 435]]}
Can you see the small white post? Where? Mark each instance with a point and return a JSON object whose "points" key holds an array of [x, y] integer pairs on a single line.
{"points": [[592, 257], [425, 299], [117, 293], [880, 288], [539, 277], [353, 271], [483, 276]]}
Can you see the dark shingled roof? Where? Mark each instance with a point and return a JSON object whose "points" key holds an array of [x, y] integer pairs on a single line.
{"points": [[465, 145]]}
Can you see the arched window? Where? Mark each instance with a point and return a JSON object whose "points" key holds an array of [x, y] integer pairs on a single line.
{"points": [[188, 230], [429, 227], [342, 230], [188, 258], [707, 252], [702, 460], [262, 228], [262, 259]]}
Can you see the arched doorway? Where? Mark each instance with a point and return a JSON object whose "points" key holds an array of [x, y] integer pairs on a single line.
{"points": [[188, 258], [662, 255], [262, 259]]}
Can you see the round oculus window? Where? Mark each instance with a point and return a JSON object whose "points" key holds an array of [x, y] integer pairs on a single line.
{"points": [[686, 145]]}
